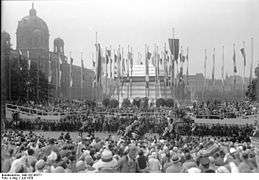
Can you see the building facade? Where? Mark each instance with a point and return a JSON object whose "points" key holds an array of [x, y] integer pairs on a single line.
{"points": [[32, 40]]}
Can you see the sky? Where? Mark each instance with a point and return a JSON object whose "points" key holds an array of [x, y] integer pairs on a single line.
{"points": [[199, 24]]}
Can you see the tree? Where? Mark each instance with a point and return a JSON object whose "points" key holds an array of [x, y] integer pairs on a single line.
{"points": [[106, 102], [160, 102], [126, 103], [114, 103]]}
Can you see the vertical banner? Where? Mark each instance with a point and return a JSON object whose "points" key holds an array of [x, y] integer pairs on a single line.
{"points": [[50, 70], [213, 67], [252, 60], [147, 57], [82, 75], [223, 68], [187, 69], [234, 64], [243, 52], [131, 71]]}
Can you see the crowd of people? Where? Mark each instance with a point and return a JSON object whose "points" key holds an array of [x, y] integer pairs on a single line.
{"points": [[179, 145], [28, 152], [228, 109]]}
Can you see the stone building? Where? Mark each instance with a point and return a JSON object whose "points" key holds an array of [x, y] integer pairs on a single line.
{"points": [[32, 40]]}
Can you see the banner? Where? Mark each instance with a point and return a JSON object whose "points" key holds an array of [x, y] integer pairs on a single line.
{"points": [[213, 66], [174, 48], [234, 59], [244, 55], [50, 70], [99, 63], [29, 61], [70, 72], [82, 72]]}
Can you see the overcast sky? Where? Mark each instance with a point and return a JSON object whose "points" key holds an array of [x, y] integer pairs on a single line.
{"points": [[199, 24]]}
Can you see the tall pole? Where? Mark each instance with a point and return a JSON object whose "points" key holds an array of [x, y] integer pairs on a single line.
{"points": [[223, 69], [38, 77], [9, 76], [70, 77], [82, 75], [106, 71], [252, 60], [173, 76], [244, 72], [205, 73]]}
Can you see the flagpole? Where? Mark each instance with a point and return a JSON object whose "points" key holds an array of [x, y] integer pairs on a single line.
{"points": [[28, 75], [244, 72], [81, 76], [131, 70], [205, 66], [252, 59], [38, 78], [223, 69], [234, 66], [70, 75], [106, 71], [110, 60]]}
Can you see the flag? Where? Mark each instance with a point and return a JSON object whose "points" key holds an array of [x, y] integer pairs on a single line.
{"points": [[50, 71], [115, 68], [20, 60], [234, 59], [213, 66], [222, 67], [99, 63], [70, 70], [148, 55], [174, 48], [107, 57], [29, 61], [187, 69], [182, 57], [123, 66], [165, 67], [60, 70], [244, 55], [205, 64]]}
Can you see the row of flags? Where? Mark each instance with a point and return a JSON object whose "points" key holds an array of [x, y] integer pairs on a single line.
{"points": [[121, 65], [235, 70]]}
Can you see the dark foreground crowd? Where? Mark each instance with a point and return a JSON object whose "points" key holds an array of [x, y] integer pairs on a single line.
{"points": [[28, 152]]}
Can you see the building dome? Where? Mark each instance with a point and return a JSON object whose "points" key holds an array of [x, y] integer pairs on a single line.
{"points": [[32, 32]]}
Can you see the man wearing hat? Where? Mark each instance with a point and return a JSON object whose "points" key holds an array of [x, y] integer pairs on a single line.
{"points": [[175, 166], [205, 165], [107, 163], [128, 163]]}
